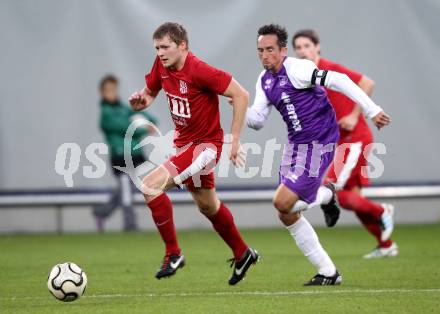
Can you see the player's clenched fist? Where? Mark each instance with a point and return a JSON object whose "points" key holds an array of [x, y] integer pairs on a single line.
{"points": [[381, 119], [138, 100]]}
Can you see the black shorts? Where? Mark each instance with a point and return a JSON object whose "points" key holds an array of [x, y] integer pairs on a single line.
{"points": [[120, 162]]}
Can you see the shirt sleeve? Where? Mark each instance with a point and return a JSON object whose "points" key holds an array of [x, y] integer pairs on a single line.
{"points": [[304, 73], [153, 79], [258, 113], [213, 79], [341, 83]]}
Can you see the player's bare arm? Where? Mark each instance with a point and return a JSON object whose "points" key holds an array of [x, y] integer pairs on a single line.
{"points": [[239, 98], [142, 99], [349, 121]]}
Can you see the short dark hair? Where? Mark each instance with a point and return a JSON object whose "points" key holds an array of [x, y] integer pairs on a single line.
{"points": [[109, 78], [307, 33], [176, 32], [275, 29]]}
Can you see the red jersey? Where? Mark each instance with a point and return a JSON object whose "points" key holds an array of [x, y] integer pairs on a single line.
{"points": [[192, 96], [344, 105]]}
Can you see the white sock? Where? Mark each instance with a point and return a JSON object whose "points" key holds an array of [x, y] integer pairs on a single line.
{"points": [[307, 241], [323, 196]]}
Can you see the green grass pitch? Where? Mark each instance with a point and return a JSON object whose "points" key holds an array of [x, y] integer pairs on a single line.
{"points": [[121, 268]]}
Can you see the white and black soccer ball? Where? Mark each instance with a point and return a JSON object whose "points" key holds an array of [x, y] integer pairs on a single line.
{"points": [[67, 282]]}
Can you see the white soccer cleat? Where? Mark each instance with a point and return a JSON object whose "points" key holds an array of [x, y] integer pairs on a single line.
{"points": [[379, 252], [387, 221]]}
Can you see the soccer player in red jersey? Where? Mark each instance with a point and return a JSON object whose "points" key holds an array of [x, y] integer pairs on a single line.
{"points": [[355, 137], [192, 88]]}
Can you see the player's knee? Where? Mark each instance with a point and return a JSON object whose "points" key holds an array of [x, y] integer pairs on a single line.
{"points": [[288, 219], [156, 182], [207, 208], [282, 205], [203, 207], [148, 184], [151, 187]]}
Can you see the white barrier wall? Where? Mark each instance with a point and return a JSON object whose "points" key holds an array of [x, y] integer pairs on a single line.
{"points": [[247, 215]]}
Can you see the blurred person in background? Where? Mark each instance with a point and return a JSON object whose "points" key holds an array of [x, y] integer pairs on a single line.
{"points": [[356, 136], [115, 119]]}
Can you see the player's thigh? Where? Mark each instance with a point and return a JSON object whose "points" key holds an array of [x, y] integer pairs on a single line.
{"points": [[346, 165], [157, 181], [331, 174], [358, 177], [284, 198], [193, 166], [206, 199]]}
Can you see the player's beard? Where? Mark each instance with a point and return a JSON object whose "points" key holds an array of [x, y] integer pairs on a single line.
{"points": [[268, 67]]}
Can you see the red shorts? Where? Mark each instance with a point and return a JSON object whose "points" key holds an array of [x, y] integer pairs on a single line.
{"points": [[346, 170], [193, 165]]}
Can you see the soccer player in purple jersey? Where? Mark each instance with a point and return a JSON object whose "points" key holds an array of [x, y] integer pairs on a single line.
{"points": [[295, 87]]}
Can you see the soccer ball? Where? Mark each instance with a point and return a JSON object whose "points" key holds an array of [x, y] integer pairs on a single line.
{"points": [[67, 282]]}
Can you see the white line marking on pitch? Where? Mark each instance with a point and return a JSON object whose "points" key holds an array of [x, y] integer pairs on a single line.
{"points": [[238, 293]]}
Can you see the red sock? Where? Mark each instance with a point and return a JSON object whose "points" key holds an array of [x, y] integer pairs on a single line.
{"points": [[367, 211], [373, 227], [359, 204], [223, 223], [162, 212]]}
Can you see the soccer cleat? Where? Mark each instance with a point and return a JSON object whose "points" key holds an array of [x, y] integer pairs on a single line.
{"points": [[331, 210], [170, 264], [380, 252], [321, 280], [387, 221], [249, 257]]}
